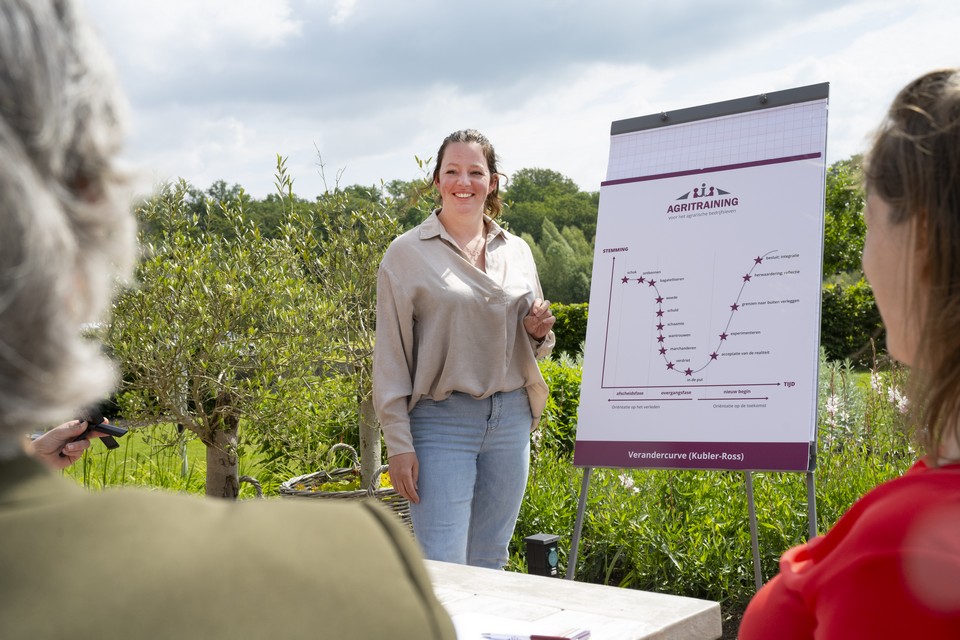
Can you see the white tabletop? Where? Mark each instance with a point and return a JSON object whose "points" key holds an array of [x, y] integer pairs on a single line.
{"points": [[481, 599]]}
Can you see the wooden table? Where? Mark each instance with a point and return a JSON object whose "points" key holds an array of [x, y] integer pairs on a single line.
{"points": [[475, 596]]}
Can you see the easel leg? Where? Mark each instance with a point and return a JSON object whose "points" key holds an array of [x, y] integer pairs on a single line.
{"points": [[754, 543], [578, 525], [811, 505]]}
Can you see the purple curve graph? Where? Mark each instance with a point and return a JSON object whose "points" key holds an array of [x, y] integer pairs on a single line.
{"points": [[667, 322], [662, 339]]}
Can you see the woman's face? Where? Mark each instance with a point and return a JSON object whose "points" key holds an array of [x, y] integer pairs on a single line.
{"points": [[464, 180], [891, 266]]}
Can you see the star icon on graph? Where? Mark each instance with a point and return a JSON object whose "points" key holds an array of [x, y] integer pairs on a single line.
{"points": [[659, 338], [659, 313], [688, 372], [641, 280], [625, 280], [723, 336], [734, 306], [663, 351], [669, 365], [758, 260], [746, 278], [660, 327], [714, 355], [652, 282], [659, 299]]}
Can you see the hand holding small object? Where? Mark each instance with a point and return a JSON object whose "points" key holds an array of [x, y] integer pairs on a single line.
{"points": [[539, 320], [98, 427], [60, 447]]}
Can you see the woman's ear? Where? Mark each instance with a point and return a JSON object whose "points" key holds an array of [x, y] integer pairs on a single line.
{"points": [[494, 183]]}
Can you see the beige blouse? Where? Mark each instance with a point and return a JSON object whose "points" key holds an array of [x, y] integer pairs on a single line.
{"points": [[443, 325]]}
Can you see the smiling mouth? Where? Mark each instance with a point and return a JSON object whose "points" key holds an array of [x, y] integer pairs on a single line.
{"points": [[463, 195]]}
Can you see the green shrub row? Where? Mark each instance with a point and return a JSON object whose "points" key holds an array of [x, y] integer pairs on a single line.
{"points": [[570, 327], [850, 325]]}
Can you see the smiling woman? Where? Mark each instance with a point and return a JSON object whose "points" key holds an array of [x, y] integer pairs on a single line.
{"points": [[461, 321]]}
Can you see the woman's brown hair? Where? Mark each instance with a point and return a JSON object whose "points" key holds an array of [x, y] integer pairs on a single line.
{"points": [[914, 166]]}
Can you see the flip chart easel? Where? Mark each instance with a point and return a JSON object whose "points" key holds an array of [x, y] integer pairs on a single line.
{"points": [[703, 337]]}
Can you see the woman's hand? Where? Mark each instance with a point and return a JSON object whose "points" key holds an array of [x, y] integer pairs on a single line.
{"points": [[539, 320], [48, 446], [404, 472]]}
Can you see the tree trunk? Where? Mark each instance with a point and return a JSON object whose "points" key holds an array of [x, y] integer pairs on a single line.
{"points": [[369, 441], [222, 462]]}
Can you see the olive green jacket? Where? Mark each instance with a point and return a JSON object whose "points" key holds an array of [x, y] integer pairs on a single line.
{"points": [[130, 563]]}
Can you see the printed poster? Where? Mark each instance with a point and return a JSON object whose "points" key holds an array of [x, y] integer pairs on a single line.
{"points": [[703, 333]]}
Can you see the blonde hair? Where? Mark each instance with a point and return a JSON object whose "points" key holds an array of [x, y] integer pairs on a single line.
{"points": [[66, 231]]}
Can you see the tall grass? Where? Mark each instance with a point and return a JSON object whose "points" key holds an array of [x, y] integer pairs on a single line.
{"points": [[152, 456]]}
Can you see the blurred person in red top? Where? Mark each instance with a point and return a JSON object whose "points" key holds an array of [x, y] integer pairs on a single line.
{"points": [[890, 567]]}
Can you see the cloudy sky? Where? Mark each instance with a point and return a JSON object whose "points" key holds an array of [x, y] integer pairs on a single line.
{"points": [[218, 88]]}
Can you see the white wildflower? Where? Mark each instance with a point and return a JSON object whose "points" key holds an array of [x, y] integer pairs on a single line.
{"points": [[628, 483], [537, 437], [899, 400], [833, 405]]}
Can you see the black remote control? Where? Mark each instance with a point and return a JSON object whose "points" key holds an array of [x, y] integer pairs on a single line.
{"points": [[94, 420]]}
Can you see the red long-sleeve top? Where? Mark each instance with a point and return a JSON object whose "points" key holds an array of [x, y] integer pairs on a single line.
{"points": [[889, 568]]}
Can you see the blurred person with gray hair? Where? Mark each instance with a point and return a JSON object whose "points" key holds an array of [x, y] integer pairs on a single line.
{"points": [[130, 563]]}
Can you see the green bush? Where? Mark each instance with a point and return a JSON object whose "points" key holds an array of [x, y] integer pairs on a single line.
{"points": [[325, 414], [570, 327], [687, 532], [850, 324], [558, 424]]}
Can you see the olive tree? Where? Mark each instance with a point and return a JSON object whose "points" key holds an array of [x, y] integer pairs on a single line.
{"points": [[343, 255], [246, 327], [218, 329]]}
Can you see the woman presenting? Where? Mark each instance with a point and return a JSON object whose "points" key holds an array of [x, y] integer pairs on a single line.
{"points": [[461, 321]]}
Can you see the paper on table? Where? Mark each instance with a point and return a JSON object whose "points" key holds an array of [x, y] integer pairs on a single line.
{"points": [[581, 634], [478, 626]]}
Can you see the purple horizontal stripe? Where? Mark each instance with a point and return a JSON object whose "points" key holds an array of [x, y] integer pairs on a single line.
{"points": [[692, 172], [741, 456]]}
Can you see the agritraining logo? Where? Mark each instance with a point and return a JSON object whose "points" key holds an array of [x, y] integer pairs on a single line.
{"points": [[703, 198]]}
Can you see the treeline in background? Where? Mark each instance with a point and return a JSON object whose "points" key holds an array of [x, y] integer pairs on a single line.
{"points": [[559, 222]]}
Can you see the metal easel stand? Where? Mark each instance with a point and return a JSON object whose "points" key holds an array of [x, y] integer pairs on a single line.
{"points": [[578, 525], [751, 508]]}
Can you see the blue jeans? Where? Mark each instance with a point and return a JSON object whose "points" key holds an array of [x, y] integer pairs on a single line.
{"points": [[474, 457]]}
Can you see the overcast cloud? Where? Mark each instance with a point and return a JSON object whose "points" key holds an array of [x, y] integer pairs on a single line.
{"points": [[218, 88]]}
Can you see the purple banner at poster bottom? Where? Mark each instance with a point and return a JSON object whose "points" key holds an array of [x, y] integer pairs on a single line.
{"points": [[742, 456]]}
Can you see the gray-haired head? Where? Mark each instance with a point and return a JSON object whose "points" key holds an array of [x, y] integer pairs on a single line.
{"points": [[66, 231]]}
